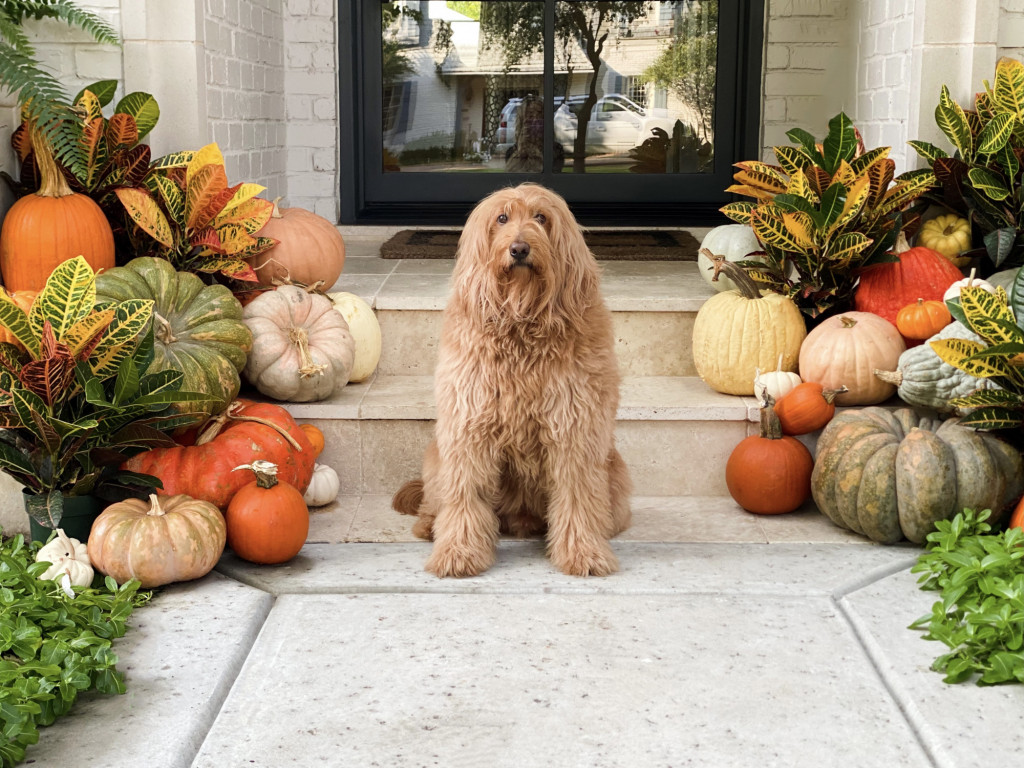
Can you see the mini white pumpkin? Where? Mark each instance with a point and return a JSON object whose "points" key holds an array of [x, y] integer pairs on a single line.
{"points": [[953, 292], [365, 329], [67, 556], [323, 488], [734, 241], [302, 349], [775, 383]]}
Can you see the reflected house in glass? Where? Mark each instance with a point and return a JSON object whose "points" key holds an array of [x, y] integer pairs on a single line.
{"points": [[467, 94]]}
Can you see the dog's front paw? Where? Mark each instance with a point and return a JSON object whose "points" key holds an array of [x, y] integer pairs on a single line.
{"points": [[586, 560], [458, 562]]}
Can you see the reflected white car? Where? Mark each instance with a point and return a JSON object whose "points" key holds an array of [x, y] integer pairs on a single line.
{"points": [[617, 124]]}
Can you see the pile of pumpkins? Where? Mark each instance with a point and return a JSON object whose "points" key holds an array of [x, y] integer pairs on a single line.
{"points": [[293, 343], [888, 474]]}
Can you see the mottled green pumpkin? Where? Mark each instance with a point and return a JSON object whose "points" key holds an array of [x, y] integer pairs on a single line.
{"points": [[891, 475], [198, 328]]}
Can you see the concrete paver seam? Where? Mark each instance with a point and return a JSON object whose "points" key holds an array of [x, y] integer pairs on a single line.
{"points": [[872, 576]]}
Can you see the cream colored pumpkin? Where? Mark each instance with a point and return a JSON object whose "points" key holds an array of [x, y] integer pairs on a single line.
{"points": [[734, 241], [953, 292], [846, 349], [323, 488], [365, 330], [949, 235], [66, 556], [775, 383], [737, 332], [302, 349], [167, 539]]}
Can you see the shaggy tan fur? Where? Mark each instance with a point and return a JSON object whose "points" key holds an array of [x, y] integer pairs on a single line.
{"points": [[527, 387]]}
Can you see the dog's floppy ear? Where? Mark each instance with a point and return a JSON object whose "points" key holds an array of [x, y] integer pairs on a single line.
{"points": [[580, 276]]}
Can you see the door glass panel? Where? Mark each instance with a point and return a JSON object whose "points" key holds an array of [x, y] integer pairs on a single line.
{"points": [[454, 97], [638, 86]]}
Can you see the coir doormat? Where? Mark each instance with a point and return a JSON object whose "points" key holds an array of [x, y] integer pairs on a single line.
{"points": [[622, 245]]}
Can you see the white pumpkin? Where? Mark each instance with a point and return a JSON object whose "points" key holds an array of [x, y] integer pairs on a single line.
{"points": [[363, 325], [735, 242], [67, 556], [302, 349], [953, 292], [323, 488], [775, 383]]}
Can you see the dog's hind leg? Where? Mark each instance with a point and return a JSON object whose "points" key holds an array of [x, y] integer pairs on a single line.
{"points": [[413, 498], [620, 486]]}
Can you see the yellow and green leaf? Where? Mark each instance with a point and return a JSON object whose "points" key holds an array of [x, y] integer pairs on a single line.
{"points": [[996, 133], [1008, 90], [14, 319], [770, 228], [208, 155], [952, 121], [960, 353], [67, 297], [856, 195], [792, 159], [85, 330], [989, 316], [739, 212], [801, 230], [146, 213], [846, 247]]}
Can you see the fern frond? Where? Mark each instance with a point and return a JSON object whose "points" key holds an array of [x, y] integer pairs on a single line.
{"points": [[87, 21], [11, 31], [25, 78]]}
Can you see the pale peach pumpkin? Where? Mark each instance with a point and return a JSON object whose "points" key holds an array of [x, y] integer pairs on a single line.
{"points": [[309, 250]]}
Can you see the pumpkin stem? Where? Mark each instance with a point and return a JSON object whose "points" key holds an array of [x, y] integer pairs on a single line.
{"points": [[276, 213], [848, 322], [830, 394], [217, 424], [163, 330], [155, 510], [902, 245], [770, 427], [265, 471], [65, 541], [890, 377], [51, 181], [300, 338], [748, 288]]}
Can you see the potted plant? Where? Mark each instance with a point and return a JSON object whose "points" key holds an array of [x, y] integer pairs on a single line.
{"points": [[824, 213], [76, 399], [982, 180]]}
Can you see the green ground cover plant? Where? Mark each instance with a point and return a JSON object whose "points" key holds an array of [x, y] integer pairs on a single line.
{"points": [[980, 613], [53, 647]]}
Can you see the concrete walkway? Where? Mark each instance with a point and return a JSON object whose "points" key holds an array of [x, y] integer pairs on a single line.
{"points": [[695, 654]]}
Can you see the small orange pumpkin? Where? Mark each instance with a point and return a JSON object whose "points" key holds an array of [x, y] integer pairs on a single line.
{"points": [[267, 520], [315, 435], [24, 300], [1017, 518], [923, 319], [769, 473], [806, 408]]}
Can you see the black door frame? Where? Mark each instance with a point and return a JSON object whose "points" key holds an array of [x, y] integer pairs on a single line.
{"points": [[370, 196]]}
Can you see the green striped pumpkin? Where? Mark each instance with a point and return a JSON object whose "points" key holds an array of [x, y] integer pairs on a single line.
{"points": [[198, 327]]}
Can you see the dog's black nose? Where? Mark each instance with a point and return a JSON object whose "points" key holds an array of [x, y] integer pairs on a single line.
{"points": [[519, 250]]}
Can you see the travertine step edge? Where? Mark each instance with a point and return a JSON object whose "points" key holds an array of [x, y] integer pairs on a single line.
{"points": [[642, 398]]}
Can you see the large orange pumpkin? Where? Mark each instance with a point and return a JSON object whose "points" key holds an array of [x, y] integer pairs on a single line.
{"points": [[309, 249], [44, 229], [245, 432], [268, 521]]}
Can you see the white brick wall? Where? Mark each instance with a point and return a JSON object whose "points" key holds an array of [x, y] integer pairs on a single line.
{"points": [[1010, 40], [245, 89]]}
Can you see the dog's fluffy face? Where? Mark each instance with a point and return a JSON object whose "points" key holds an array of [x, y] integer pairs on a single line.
{"points": [[522, 253]]}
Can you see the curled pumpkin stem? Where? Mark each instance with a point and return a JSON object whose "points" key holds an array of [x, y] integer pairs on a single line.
{"points": [[300, 338], [163, 331], [831, 394], [747, 287], [232, 414], [265, 471]]}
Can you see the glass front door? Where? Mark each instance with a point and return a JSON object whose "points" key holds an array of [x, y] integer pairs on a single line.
{"points": [[611, 103]]}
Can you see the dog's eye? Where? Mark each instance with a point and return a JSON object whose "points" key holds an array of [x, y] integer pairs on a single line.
{"points": [[502, 218], [541, 218]]}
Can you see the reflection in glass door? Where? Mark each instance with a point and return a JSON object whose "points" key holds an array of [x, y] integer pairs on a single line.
{"points": [[634, 86]]}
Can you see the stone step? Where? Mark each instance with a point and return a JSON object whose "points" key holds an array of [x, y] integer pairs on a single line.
{"points": [[653, 308], [674, 433]]}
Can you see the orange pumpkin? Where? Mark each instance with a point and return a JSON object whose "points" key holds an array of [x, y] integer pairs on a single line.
{"points": [[1017, 518], [309, 250], [806, 408], [316, 437], [44, 229], [769, 473], [268, 521], [24, 300], [923, 319]]}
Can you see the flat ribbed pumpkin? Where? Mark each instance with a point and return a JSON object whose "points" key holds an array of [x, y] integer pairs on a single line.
{"points": [[309, 250], [737, 332], [891, 475], [50, 226], [198, 328], [243, 433]]}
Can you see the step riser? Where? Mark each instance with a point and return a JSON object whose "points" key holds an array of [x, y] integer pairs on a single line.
{"points": [[665, 458], [646, 343]]}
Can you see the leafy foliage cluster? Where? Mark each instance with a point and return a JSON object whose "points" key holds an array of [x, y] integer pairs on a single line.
{"points": [[53, 647], [983, 180], [826, 211], [980, 616]]}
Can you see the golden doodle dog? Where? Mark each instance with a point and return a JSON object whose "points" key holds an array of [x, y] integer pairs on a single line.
{"points": [[527, 387]]}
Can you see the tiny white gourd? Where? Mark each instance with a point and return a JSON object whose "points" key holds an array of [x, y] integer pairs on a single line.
{"points": [[365, 330], [323, 487], [734, 241], [68, 556], [953, 292], [775, 383]]}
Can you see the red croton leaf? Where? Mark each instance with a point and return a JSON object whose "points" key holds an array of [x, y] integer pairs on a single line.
{"points": [[52, 374]]}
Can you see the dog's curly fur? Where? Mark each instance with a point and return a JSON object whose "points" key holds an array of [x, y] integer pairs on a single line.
{"points": [[527, 387]]}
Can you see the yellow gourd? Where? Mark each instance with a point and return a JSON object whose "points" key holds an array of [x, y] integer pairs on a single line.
{"points": [[948, 235]]}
